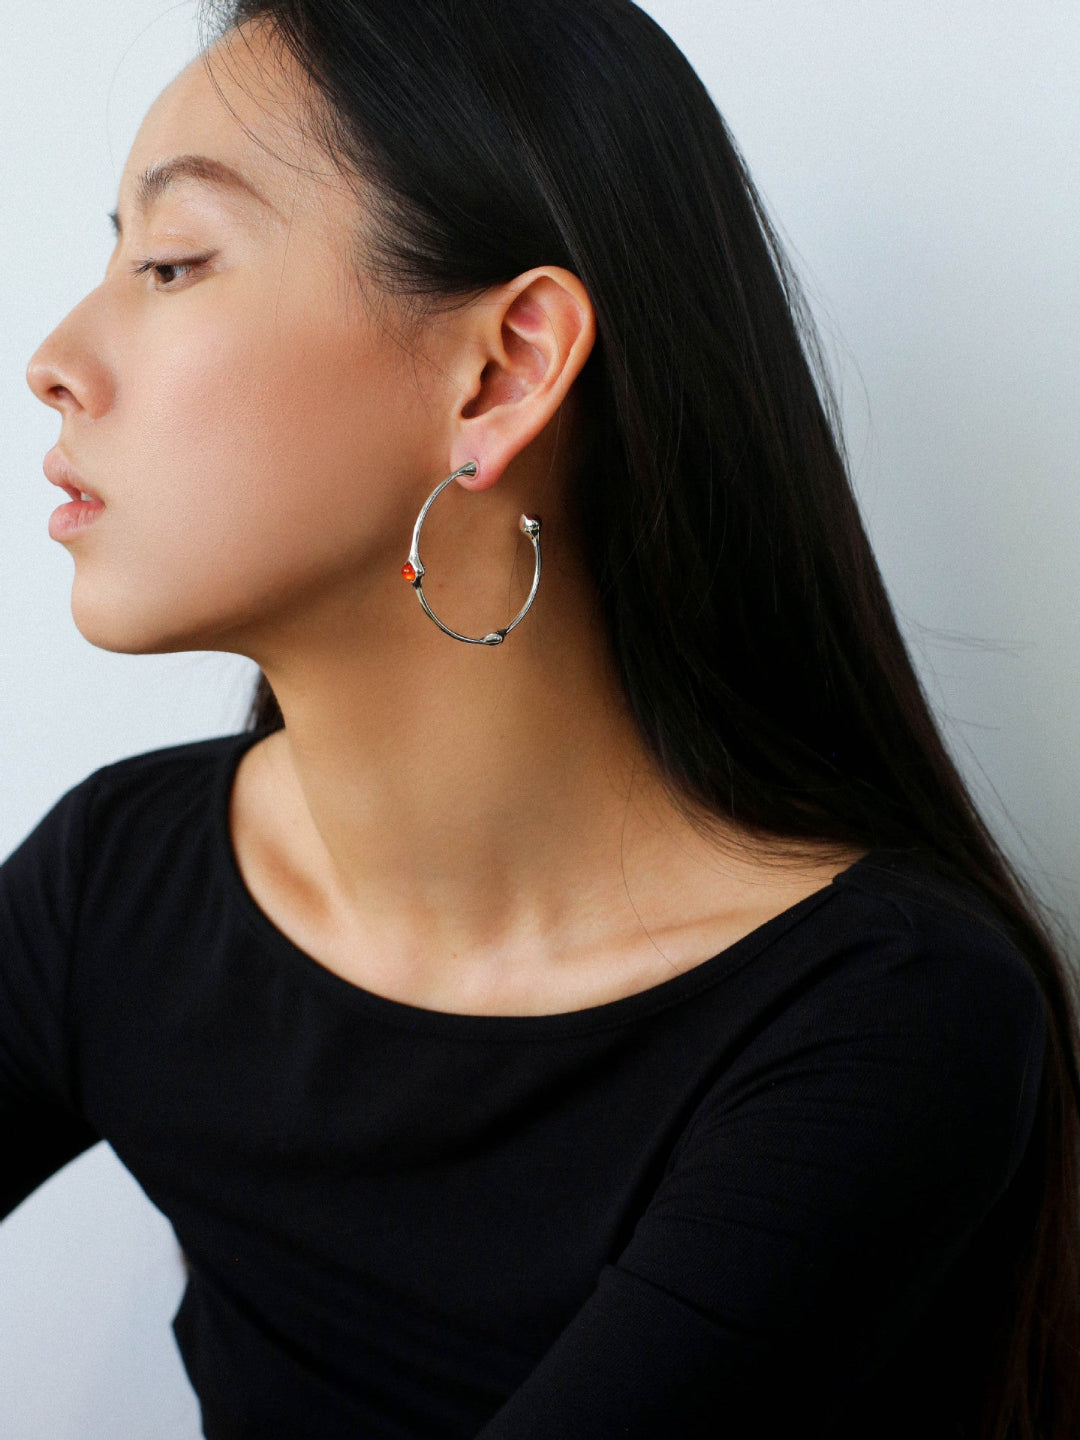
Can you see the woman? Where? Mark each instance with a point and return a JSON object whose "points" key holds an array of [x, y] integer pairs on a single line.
{"points": [[585, 1002]]}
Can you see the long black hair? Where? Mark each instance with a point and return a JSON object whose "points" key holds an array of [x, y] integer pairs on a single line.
{"points": [[750, 623]]}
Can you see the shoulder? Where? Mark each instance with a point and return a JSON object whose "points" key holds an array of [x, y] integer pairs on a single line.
{"points": [[168, 762], [170, 780], [923, 990], [897, 988], [150, 791], [891, 925], [915, 887], [905, 1030], [921, 922]]}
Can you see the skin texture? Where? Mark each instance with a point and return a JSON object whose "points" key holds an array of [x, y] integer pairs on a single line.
{"points": [[468, 829]]}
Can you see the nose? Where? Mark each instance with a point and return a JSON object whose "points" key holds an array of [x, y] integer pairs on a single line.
{"points": [[52, 382], [65, 374]]}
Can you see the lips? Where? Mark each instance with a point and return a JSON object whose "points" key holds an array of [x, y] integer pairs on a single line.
{"points": [[59, 471]]}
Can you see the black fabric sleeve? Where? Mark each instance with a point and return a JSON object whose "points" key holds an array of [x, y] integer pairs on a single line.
{"points": [[40, 1127], [822, 1191]]}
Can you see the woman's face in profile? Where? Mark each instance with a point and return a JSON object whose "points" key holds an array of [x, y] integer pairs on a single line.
{"points": [[254, 434]]}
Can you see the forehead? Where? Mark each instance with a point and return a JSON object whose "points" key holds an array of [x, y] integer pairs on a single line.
{"points": [[243, 104]]}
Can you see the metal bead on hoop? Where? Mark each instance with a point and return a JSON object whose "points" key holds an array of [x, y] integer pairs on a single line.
{"points": [[413, 569]]}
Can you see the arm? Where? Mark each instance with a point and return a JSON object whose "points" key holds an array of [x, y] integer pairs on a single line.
{"points": [[40, 1127], [819, 1197]]}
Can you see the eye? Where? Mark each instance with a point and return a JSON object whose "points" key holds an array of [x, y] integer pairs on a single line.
{"points": [[167, 271]]}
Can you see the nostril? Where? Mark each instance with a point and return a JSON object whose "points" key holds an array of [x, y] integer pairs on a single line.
{"points": [[65, 374], [43, 377]]}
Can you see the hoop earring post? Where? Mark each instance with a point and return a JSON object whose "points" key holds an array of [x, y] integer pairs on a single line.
{"points": [[413, 570]]}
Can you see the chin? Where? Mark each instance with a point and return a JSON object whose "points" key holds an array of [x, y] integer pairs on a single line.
{"points": [[129, 629]]}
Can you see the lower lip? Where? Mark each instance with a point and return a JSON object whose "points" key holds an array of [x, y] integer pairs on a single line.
{"points": [[74, 517]]}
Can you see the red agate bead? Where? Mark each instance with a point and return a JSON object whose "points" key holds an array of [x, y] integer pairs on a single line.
{"points": [[408, 572]]}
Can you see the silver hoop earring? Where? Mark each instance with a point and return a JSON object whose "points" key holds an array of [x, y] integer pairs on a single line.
{"points": [[413, 569]]}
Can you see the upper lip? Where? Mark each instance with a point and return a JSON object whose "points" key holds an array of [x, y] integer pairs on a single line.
{"points": [[60, 471]]}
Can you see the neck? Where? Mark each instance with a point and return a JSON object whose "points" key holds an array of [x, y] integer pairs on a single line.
{"points": [[461, 800]]}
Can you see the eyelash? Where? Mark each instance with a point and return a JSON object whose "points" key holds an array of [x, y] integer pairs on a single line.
{"points": [[187, 265]]}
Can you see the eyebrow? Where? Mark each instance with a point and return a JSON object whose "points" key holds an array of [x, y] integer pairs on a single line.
{"points": [[153, 182]]}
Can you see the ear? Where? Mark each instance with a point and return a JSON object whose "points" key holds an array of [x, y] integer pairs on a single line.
{"points": [[526, 344]]}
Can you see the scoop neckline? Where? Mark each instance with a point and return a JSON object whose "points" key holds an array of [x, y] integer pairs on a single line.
{"points": [[402, 1015]]}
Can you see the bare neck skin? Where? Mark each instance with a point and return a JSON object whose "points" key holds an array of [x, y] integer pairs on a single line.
{"points": [[465, 809]]}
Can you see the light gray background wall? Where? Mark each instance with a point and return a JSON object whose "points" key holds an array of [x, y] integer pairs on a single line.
{"points": [[923, 162]]}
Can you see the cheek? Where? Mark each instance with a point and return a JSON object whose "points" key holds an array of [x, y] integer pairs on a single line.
{"points": [[288, 419], [259, 460]]}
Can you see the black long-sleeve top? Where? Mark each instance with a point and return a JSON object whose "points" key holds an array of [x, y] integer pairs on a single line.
{"points": [[770, 1195]]}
